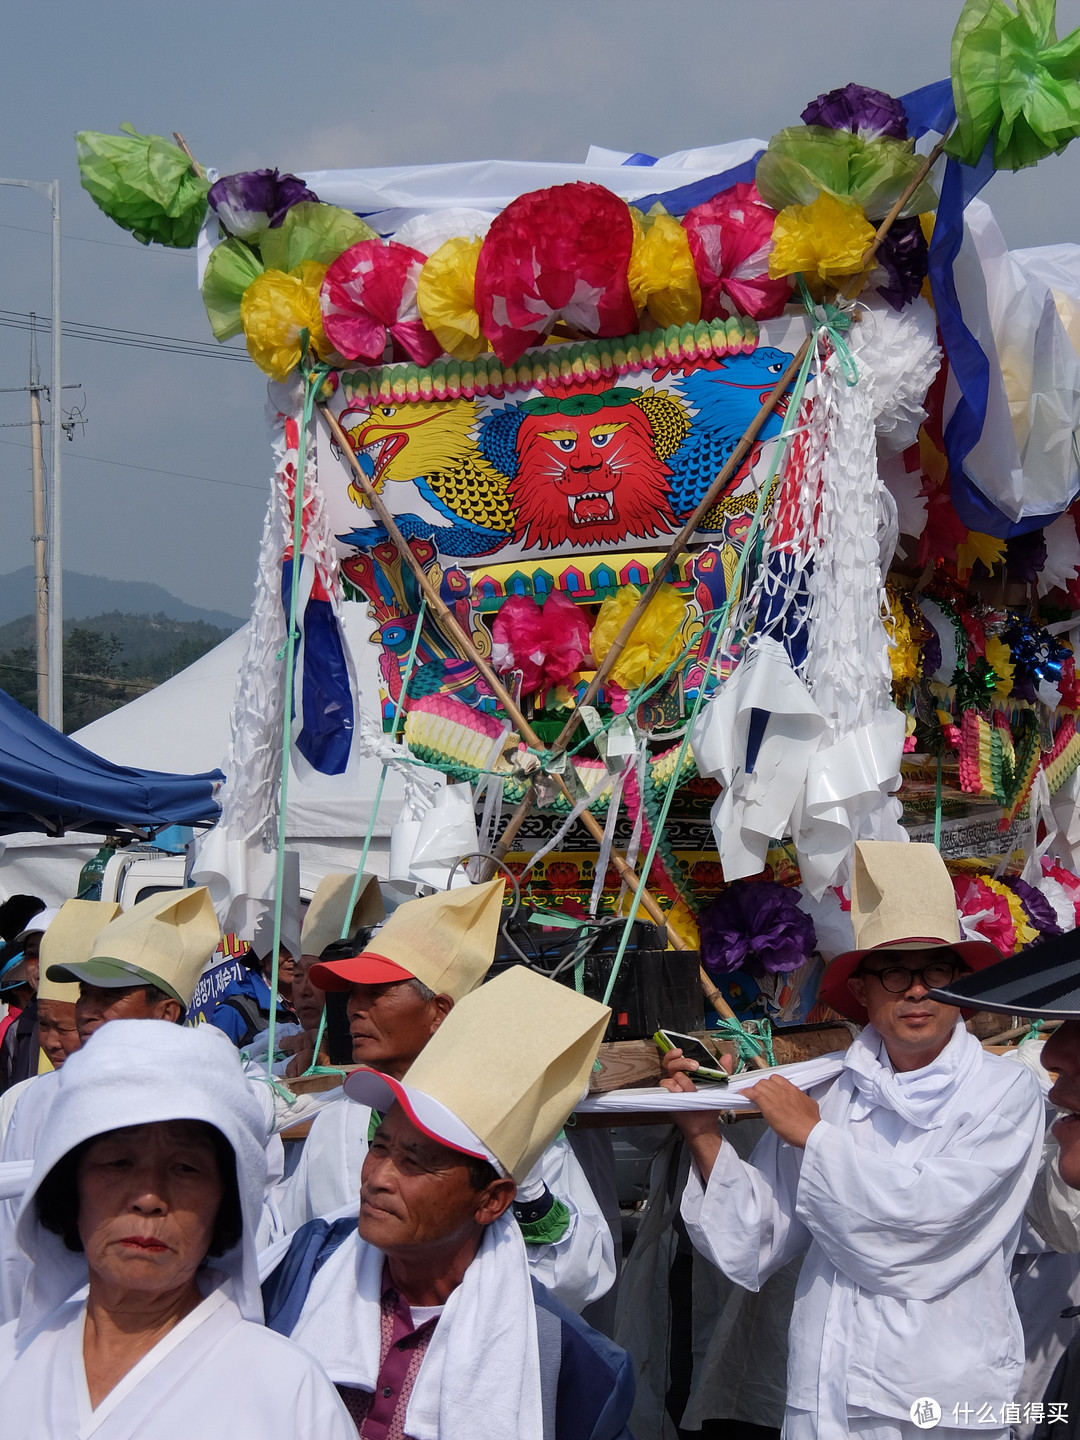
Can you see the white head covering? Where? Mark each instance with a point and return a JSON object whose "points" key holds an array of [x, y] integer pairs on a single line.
{"points": [[136, 1072]]}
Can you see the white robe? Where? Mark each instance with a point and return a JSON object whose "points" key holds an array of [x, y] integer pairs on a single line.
{"points": [[578, 1268], [214, 1376], [907, 1202]]}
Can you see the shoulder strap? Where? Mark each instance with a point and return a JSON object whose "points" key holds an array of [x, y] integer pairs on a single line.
{"points": [[285, 1288]]}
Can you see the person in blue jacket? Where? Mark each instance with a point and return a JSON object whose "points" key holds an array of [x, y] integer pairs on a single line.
{"points": [[243, 1010], [423, 1312]]}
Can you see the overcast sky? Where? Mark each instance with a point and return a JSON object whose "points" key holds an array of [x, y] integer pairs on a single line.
{"points": [[263, 82]]}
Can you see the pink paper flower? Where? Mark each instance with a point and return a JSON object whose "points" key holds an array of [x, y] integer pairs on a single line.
{"points": [[369, 291]]}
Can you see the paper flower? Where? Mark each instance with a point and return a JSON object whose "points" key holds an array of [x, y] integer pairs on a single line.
{"points": [[277, 309], [903, 258], [757, 927], [866, 112], [1037, 908], [654, 641], [985, 915], [146, 184], [547, 645], [370, 291], [988, 550], [1025, 556], [445, 298], [999, 659], [255, 200], [662, 275], [560, 254], [230, 270], [311, 231], [730, 239], [823, 241], [1014, 80], [803, 161]]}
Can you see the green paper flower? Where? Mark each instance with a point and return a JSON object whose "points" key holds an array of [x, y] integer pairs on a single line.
{"points": [[144, 183], [1014, 80], [805, 161], [311, 231], [229, 271]]}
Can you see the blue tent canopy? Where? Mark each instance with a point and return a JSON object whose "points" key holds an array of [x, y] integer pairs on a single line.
{"points": [[49, 782]]}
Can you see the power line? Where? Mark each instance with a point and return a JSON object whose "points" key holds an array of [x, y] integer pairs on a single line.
{"points": [[128, 339], [114, 244], [148, 469]]}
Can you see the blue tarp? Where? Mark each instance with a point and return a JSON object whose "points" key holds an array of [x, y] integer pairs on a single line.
{"points": [[49, 782]]}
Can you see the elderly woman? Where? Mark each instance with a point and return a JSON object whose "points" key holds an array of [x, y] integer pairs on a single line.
{"points": [[142, 1314]]}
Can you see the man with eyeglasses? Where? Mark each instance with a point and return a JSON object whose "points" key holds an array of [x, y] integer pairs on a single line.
{"points": [[903, 1184]]}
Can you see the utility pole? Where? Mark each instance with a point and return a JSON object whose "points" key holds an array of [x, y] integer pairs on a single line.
{"points": [[41, 579], [51, 529]]}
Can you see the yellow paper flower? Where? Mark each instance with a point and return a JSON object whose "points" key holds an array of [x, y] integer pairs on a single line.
{"points": [[984, 548], [276, 307], [822, 241], [654, 641], [905, 643], [661, 274], [444, 297], [999, 658]]}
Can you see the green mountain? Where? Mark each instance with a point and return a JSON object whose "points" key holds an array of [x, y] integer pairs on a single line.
{"points": [[108, 659]]}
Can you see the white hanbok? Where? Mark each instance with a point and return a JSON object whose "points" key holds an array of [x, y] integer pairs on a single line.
{"points": [[578, 1268], [215, 1376], [907, 1202], [218, 1374]]}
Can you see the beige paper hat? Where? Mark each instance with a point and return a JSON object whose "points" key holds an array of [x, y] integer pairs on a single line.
{"points": [[325, 918], [901, 897], [165, 940], [446, 940], [538, 1040], [69, 940]]}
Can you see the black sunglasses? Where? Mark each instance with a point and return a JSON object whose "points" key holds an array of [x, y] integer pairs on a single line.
{"points": [[899, 978]]}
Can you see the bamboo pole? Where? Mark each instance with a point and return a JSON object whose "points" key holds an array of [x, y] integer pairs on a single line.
{"points": [[465, 647]]}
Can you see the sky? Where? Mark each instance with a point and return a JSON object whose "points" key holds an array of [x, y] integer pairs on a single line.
{"points": [[167, 482]]}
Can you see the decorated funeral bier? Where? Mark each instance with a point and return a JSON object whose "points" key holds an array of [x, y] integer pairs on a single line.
{"points": [[703, 514]]}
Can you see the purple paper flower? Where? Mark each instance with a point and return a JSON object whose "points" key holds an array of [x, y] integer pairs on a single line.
{"points": [[870, 113], [903, 255], [756, 927], [256, 200], [1037, 907], [1025, 556]]}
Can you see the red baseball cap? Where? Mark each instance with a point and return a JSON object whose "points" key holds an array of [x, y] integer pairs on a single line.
{"points": [[365, 968]]}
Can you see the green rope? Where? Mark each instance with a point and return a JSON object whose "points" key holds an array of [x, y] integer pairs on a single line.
{"points": [[782, 444], [749, 1043], [313, 380], [314, 1068], [1033, 1031]]}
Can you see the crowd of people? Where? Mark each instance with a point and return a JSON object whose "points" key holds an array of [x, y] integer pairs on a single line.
{"points": [[426, 1263]]}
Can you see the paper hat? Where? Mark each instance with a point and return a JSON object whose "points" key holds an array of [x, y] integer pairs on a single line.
{"points": [[69, 940], [325, 918], [164, 940], [901, 898], [538, 1040], [1043, 980], [446, 940], [13, 955]]}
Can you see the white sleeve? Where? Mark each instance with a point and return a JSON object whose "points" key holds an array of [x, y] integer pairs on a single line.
{"points": [[579, 1267], [913, 1229], [744, 1221]]}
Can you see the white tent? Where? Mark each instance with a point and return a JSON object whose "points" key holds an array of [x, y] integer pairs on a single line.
{"points": [[182, 726]]}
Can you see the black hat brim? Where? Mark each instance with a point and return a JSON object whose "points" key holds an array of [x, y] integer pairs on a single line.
{"points": [[1042, 981]]}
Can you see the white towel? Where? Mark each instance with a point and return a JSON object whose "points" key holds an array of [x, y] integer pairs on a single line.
{"points": [[480, 1376]]}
